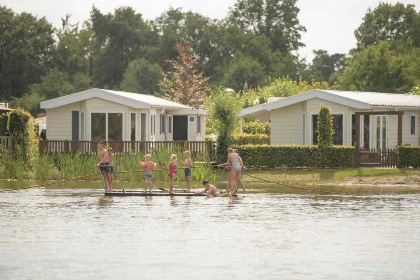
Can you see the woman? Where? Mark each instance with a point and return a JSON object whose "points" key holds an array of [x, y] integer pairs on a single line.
{"points": [[233, 161]]}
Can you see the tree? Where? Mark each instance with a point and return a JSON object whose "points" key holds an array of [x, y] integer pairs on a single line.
{"points": [[276, 19], [121, 37], [325, 127], [185, 84], [142, 76], [223, 109], [324, 66], [393, 23], [382, 68], [26, 48]]}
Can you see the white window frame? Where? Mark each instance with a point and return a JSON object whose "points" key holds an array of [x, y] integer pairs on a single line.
{"points": [[199, 124], [415, 124], [170, 124], [332, 113], [162, 126], [376, 131], [136, 125], [153, 126], [106, 122]]}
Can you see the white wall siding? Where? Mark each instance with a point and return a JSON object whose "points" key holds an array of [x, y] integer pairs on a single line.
{"points": [[286, 125], [59, 121]]}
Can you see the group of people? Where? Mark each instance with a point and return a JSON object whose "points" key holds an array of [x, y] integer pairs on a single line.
{"points": [[234, 161]]}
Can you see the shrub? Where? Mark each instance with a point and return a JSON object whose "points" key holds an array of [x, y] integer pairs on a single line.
{"points": [[274, 156], [325, 127], [250, 139], [408, 157], [256, 127], [20, 126]]}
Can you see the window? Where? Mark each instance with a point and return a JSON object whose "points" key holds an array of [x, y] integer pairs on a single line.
{"points": [[381, 132], [337, 126], [366, 132], [413, 124], [162, 124], [133, 127], [152, 125], [170, 124], [143, 126], [115, 126], [353, 130], [198, 124], [82, 126], [98, 126]]}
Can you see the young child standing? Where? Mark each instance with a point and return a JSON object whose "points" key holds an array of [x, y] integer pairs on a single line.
{"points": [[187, 170], [148, 166], [172, 170], [103, 164]]}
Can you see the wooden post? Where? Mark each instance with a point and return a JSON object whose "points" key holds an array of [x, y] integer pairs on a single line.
{"points": [[66, 146], [357, 139], [400, 114]]}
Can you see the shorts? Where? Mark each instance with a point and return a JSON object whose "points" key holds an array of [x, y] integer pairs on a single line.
{"points": [[111, 169], [104, 167], [187, 172], [148, 176]]}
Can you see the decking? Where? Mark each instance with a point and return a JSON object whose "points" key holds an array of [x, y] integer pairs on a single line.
{"points": [[158, 192]]}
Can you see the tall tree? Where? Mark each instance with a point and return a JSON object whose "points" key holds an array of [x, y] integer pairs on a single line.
{"points": [[121, 38], [324, 66], [392, 23], [26, 48], [185, 84], [276, 19], [142, 76]]}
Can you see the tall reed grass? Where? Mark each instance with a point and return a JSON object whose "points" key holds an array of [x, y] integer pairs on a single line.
{"points": [[73, 166]]}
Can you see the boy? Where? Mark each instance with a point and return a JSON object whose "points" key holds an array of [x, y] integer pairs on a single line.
{"points": [[148, 172], [103, 164], [211, 190], [111, 167], [187, 170]]}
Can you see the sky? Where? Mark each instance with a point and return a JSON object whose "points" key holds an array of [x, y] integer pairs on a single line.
{"points": [[330, 24]]}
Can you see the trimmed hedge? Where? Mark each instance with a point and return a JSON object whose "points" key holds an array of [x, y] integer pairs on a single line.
{"points": [[275, 156], [256, 127], [250, 139], [408, 157]]}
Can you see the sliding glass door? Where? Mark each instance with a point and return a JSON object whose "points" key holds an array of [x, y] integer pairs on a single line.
{"points": [[106, 126], [381, 132]]}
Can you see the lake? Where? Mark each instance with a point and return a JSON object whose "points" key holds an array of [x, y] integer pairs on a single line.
{"points": [[72, 231]]}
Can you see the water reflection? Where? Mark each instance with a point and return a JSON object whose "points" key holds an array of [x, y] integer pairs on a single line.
{"points": [[105, 201]]}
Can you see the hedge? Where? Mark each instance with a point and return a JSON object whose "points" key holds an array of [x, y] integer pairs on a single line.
{"points": [[408, 157], [275, 156], [250, 139], [256, 127]]}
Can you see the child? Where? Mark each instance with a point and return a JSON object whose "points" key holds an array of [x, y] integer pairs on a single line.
{"points": [[239, 178], [211, 190], [173, 169], [111, 167], [233, 161], [187, 170], [103, 164], [148, 172]]}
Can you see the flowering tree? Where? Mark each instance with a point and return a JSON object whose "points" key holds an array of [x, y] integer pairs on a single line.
{"points": [[185, 84]]}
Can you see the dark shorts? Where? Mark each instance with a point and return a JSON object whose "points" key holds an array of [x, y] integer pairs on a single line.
{"points": [[104, 167], [187, 172]]}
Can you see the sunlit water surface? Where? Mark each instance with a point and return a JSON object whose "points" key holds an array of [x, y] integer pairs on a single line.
{"points": [[77, 233]]}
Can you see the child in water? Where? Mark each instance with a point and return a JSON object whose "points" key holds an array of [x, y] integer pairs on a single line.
{"points": [[148, 167], [187, 170], [211, 190], [172, 170]]}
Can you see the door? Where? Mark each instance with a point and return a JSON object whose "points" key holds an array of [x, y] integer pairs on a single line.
{"points": [[381, 132], [180, 128], [75, 126], [143, 126]]}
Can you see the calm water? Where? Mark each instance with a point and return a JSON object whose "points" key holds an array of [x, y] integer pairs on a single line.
{"points": [[77, 233]]}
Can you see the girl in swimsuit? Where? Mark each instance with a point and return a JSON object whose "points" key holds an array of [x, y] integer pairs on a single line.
{"points": [[173, 169], [233, 161]]}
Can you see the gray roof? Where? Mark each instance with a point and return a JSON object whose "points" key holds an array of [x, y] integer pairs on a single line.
{"points": [[380, 99]]}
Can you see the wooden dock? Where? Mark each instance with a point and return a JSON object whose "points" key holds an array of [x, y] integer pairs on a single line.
{"points": [[153, 193]]}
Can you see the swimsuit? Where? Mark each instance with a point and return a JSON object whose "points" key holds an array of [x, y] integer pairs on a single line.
{"points": [[172, 168], [187, 172], [235, 163], [104, 167], [148, 176]]}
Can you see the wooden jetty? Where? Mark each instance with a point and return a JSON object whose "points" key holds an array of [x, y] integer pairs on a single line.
{"points": [[157, 192]]}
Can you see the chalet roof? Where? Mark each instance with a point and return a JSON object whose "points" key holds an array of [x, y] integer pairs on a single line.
{"points": [[135, 100], [354, 99]]}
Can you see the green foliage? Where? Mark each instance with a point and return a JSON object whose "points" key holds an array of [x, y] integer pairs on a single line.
{"points": [[325, 67], [408, 157], [29, 102], [142, 76], [254, 127], [325, 127], [382, 68], [223, 109], [250, 139], [415, 90], [396, 23], [20, 126], [274, 156]]}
